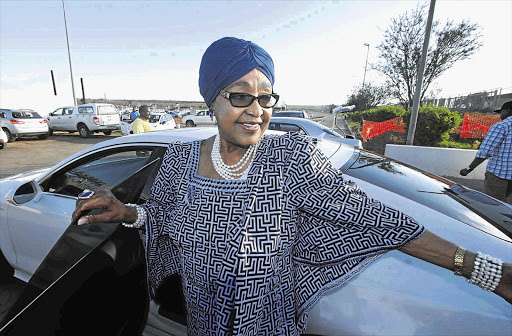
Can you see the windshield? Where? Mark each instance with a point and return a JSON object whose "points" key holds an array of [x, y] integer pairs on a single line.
{"points": [[432, 192], [329, 131], [154, 118], [106, 109], [288, 114]]}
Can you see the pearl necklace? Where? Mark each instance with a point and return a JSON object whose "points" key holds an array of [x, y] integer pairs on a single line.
{"points": [[230, 172]]}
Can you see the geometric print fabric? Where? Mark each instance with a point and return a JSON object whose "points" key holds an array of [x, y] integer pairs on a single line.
{"points": [[255, 254]]}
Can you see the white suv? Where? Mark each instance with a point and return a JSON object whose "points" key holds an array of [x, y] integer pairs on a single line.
{"points": [[23, 123], [202, 117], [86, 119]]}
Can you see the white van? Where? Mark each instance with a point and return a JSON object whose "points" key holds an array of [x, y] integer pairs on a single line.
{"points": [[86, 119]]}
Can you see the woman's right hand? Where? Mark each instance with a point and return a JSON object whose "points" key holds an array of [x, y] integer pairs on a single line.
{"points": [[111, 209]]}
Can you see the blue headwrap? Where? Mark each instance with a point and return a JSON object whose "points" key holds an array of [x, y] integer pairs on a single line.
{"points": [[227, 60]]}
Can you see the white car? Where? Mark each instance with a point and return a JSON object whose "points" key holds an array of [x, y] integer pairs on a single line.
{"points": [[99, 268], [159, 121], [3, 139], [85, 119], [309, 127], [200, 118], [293, 114], [23, 123]]}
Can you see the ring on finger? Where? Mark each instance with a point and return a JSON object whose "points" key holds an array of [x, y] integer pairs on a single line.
{"points": [[86, 194]]}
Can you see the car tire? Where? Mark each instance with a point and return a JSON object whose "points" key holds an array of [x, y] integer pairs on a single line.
{"points": [[2, 145], [107, 132], [50, 132], [190, 123], [10, 138], [84, 131], [43, 136]]}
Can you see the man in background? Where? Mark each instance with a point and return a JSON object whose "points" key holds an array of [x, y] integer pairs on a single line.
{"points": [[497, 147], [134, 114], [141, 124]]}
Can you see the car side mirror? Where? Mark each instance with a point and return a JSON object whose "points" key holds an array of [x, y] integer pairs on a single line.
{"points": [[25, 193]]}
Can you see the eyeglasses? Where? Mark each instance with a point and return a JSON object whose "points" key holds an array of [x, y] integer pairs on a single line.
{"points": [[245, 99]]}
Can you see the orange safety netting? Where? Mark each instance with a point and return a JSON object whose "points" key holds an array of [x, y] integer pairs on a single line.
{"points": [[476, 126], [372, 128]]}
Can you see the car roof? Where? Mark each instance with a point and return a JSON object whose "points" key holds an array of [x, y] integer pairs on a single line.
{"points": [[293, 120], [165, 137]]}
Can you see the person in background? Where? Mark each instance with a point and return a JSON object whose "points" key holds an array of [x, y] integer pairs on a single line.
{"points": [[497, 147], [141, 124], [260, 226], [134, 114]]}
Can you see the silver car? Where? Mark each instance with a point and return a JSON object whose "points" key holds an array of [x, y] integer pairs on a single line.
{"points": [[92, 279], [23, 123], [309, 127]]}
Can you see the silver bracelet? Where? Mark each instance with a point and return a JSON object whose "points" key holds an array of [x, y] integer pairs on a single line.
{"points": [[141, 217], [486, 272]]}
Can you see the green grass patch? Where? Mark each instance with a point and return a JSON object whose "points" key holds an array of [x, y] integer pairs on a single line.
{"points": [[453, 144]]}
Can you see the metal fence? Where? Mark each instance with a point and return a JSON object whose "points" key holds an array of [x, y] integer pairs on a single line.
{"points": [[485, 101]]}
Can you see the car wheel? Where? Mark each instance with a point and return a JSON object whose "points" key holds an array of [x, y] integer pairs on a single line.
{"points": [[42, 136], [84, 131], [190, 123], [50, 132], [2, 145], [107, 132], [10, 138]]}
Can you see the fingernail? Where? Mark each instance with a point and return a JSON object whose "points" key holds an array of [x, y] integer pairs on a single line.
{"points": [[82, 221]]}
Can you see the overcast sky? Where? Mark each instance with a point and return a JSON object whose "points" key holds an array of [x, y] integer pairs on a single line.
{"points": [[152, 49]]}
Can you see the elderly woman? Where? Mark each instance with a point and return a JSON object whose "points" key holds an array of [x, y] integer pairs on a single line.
{"points": [[259, 227]]}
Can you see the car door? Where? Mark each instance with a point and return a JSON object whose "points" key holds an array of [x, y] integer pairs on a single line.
{"points": [[38, 220], [96, 267], [203, 118], [68, 121], [55, 119]]}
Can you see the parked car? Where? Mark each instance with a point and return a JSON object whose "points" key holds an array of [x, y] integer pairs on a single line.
{"points": [[88, 268], [3, 139], [22, 124], [159, 121], [177, 116], [201, 117], [309, 127], [125, 116], [292, 114], [85, 119]]}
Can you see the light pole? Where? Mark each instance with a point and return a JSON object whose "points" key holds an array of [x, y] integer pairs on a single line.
{"points": [[69, 54], [367, 51]]}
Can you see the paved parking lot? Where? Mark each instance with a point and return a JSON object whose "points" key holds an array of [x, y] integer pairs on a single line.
{"points": [[31, 153]]}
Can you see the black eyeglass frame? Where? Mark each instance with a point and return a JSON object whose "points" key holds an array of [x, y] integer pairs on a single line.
{"points": [[228, 96]]}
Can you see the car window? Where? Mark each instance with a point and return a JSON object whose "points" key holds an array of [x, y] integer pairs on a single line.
{"points": [[418, 186], [154, 118], [286, 128], [85, 109], [68, 110], [329, 131], [107, 109], [2, 115], [58, 112], [25, 114], [106, 170]]}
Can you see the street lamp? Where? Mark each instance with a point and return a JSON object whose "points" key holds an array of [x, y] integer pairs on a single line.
{"points": [[69, 54], [367, 51]]}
